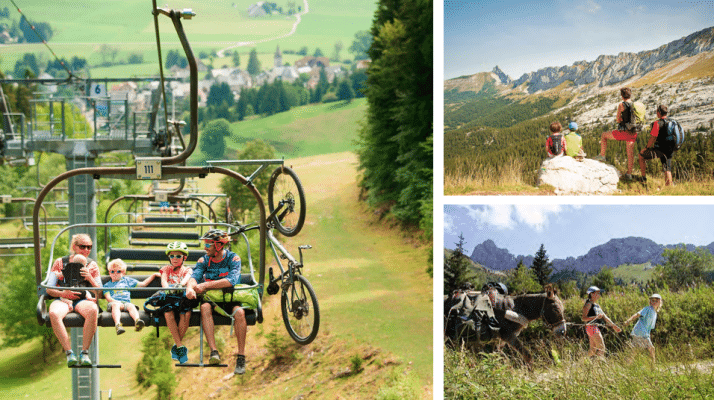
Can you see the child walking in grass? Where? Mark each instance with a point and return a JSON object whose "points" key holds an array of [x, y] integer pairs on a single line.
{"points": [[647, 320], [120, 299]]}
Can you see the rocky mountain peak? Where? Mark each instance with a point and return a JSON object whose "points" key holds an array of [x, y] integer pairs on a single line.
{"points": [[502, 77], [608, 70]]}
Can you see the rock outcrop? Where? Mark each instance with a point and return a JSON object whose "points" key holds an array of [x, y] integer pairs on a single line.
{"points": [[571, 177], [608, 70]]}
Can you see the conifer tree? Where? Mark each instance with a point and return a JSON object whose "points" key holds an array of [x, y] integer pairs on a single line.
{"points": [[456, 268], [541, 266]]}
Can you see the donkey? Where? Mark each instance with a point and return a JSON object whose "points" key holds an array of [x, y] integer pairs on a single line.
{"points": [[527, 307]]}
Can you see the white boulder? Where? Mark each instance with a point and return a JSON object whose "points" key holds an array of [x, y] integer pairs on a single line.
{"points": [[571, 177]]}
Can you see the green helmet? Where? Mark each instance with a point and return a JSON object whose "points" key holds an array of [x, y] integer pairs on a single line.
{"points": [[177, 246]]}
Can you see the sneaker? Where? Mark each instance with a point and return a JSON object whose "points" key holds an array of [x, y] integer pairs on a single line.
{"points": [[182, 353], [215, 358], [71, 358], [599, 158], [240, 365], [84, 358], [120, 329], [174, 355], [628, 177], [140, 325]]}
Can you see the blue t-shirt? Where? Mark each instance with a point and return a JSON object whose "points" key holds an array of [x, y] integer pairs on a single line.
{"points": [[646, 322], [121, 295], [228, 268]]}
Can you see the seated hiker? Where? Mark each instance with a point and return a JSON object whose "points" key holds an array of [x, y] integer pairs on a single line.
{"points": [[574, 142], [624, 132], [555, 144], [219, 268], [119, 299], [659, 146]]}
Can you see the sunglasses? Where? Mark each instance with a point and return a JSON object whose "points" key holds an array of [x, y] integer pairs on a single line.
{"points": [[175, 256], [85, 247], [114, 271], [207, 244]]}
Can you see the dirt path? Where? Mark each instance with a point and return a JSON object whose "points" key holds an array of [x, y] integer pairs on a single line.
{"points": [[298, 19]]}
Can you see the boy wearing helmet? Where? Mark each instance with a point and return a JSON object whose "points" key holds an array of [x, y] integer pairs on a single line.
{"points": [[220, 268], [647, 319], [175, 274]]}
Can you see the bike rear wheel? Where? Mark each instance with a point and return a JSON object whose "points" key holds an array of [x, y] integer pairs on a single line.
{"points": [[285, 187], [301, 312]]}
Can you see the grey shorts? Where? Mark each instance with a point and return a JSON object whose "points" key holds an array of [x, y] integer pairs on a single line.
{"points": [[642, 342], [666, 159]]}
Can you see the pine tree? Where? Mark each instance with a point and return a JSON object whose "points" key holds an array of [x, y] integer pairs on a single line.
{"points": [[456, 268], [541, 266], [253, 63], [524, 280]]}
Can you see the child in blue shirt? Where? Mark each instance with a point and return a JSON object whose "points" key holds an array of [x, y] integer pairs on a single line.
{"points": [[647, 320], [119, 299]]}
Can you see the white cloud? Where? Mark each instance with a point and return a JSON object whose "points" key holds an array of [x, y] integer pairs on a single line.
{"points": [[592, 7], [536, 216], [507, 217], [449, 226]]}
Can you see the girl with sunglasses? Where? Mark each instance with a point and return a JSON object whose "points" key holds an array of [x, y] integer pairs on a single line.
{"points": [[119, 299], [176, 274]]}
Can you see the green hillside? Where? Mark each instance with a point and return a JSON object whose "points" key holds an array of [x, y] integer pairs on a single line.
{"points": [[303, 131]]}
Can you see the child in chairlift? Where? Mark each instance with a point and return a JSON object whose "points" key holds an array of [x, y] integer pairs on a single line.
{"points": [[119, 299], [176, 274]]}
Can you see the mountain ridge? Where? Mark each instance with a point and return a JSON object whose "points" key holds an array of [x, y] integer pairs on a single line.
{"points": [[605, 70], [615, 252]]}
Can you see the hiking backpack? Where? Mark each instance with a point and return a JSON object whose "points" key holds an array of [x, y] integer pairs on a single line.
{"points": [[674, 134], [633, 117], [555, 144]]}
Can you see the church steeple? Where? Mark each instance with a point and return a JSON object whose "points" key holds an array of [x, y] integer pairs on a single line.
{"points": [[278, 58]]}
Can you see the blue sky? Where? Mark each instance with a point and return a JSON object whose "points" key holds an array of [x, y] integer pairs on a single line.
{"points": [[571, 230], [524, 36]]}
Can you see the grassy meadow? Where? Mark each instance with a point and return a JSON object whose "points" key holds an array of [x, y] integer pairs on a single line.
{"points": [[128, 26], [306, 130]]}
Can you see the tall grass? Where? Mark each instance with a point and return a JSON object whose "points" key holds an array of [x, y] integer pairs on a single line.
{"points": [[683, 340], [465, 176]]}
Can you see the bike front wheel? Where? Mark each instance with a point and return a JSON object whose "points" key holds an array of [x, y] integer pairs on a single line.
{"points": [[301, 312], [285, 192]]}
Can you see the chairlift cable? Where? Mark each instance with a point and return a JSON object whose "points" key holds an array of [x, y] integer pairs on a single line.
{"points": [[161, 64], [69, 78]]}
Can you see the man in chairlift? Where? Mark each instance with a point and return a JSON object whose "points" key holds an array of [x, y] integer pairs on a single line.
{"points": [[220, 268]]}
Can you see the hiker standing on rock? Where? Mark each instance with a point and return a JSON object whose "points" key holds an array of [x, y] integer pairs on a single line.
{"points": [[659, 146], [625, 130]]}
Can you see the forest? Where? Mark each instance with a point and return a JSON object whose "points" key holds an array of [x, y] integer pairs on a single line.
{"points": [[480, 147]]}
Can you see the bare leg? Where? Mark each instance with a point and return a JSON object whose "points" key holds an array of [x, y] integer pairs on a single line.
{"points": [[131, 308], [184, 322], [630, 147], [603, 142], [171, 324], [116, 312], [643, 167], [89, 311], [58, 310], [207, 320], [241, 328], [668, 178], [599, 344]]}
